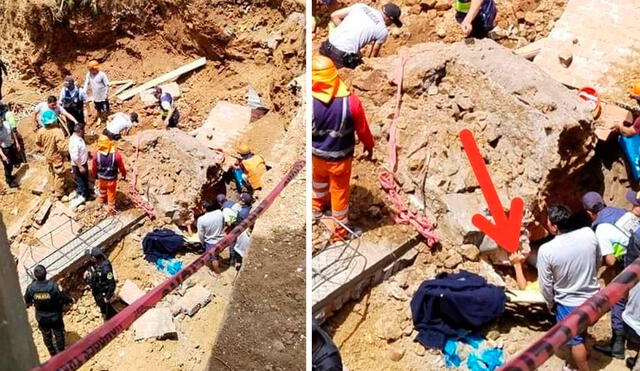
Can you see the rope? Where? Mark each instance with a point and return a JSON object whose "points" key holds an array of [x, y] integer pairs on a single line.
{"points": [[400, 213], [133, 192]]}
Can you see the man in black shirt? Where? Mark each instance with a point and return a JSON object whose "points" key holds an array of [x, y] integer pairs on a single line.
{"points": [[100, 278], [48, 300]]}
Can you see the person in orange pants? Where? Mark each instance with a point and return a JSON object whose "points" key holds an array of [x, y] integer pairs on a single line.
{"points": [[106, 164], [337, 116]]}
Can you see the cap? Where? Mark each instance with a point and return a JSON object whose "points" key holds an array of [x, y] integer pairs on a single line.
{"points": [[221, 198], [633, 197], [96, 252], [165, 105], [49, 117], [245, 197], [134, 117], [94, 64], [591, 199], [392, 11], [243, 149]]}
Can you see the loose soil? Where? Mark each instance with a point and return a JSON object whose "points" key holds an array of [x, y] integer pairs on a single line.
{"points": [[141, 40]]}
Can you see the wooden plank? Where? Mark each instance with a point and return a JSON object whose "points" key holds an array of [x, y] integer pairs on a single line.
{"points": [[41, 215], [531, 50], [120, 82], [124, 87], [164, 78]]}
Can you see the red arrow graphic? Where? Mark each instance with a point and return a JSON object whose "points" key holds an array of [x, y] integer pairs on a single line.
{"points": [[506, 230]]}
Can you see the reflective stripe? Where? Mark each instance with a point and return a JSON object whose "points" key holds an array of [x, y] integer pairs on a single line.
{"points": [[332, 154], [338, 213], [462, 6], [319, 185], [319, 194], [317, 213]]}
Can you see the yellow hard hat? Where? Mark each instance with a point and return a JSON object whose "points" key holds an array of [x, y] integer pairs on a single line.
{"points": [[243, 149], [635, 88], [94, 65]]}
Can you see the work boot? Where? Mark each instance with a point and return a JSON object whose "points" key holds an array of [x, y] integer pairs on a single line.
{"points": [[631, 361], [615, 348]]}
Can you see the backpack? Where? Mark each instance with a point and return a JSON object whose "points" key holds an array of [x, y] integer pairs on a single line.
{"points": [[453, 305], [161, 244]]}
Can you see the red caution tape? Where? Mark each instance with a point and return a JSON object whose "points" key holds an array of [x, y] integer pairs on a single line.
{"points": [[576, 322], [401, 213], [81, 351]]}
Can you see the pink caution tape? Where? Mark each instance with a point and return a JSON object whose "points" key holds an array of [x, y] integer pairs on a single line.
{"points": [[401, 214], [576, 322], [81, 351]]}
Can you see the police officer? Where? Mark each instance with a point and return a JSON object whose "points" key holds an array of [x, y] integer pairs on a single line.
{"points": [[100, 278], [73, 99], [46, 296]]}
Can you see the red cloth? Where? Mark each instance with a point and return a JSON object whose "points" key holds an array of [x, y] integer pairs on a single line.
{"points": [[360, 122], [119, 163]]}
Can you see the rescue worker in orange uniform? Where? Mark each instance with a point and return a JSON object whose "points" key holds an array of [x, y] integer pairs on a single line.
{"points": [[337, 116], [253, 168], [106, 164]]}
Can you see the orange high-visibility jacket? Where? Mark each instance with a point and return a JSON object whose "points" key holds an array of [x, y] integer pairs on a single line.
{"points": [[255, 168]]}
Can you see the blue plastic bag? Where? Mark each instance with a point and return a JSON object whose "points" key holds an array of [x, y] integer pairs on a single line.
{"points": [[631, 148]]}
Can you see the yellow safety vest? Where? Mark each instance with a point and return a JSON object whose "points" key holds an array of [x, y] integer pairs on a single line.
{"points": [[255, 168], [462, 6]]}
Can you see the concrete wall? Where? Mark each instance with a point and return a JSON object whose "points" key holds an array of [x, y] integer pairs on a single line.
{"points": [[17, 348]]}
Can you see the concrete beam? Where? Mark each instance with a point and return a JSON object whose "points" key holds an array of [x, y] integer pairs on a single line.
{"points": [[17, 348]]}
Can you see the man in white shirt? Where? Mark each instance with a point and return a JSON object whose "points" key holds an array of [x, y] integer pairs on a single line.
{"points": [[567, 272], [74, 100], [120, 123], [357, 26], [53, 105], [8, 152], [98, 83], [79, 167], [212, 226]]}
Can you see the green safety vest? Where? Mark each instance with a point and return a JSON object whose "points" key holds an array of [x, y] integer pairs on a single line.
{"points": [[462, 6]]}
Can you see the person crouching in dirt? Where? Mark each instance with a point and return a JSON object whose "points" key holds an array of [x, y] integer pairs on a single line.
{"points": [[168, 111], [243, 206], [52, 105], [212, 226], [476, 17], [49, 301], [357, 26], [337, 116], [106, 164], [74, 100], [98, 83], [51, 141], [249, 169], [9, 148], [120, 123], [102, 281]]}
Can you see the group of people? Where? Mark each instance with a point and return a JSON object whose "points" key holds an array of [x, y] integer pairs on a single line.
{"points": [[567, 267], [49, 301], [353, 28]]}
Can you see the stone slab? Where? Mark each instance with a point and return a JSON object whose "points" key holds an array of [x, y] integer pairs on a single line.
{"points": [[130, 292], [195, 298], [154, 323], [224, 126], [60, 227], [343, 268], [596, 52], [35, 180], [42, 213], [16, 226]]}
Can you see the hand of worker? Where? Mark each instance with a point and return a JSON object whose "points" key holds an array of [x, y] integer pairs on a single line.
{"points": [[466, 27], [368, 154], [5, 159], [82, 169]]}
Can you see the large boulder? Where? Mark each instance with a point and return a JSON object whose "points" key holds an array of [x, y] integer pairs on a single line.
{"points": [[534, 134], [174, 167]]}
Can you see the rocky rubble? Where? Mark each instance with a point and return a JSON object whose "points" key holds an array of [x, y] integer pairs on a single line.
{"points": [[534, 133], [173, 167]]}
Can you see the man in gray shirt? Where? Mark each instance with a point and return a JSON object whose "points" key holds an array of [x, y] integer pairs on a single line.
{"points": [[567, 272], [212, 226]]}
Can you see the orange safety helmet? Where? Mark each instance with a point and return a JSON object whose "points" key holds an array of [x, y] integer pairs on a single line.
{"points": [[325, 81], [105, 145], [243, 149], [635, 88], [94, 65]]}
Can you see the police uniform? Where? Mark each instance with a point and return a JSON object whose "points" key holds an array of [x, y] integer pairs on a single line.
{"points": [[103, 285], [48, 300], [325, 355]]}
